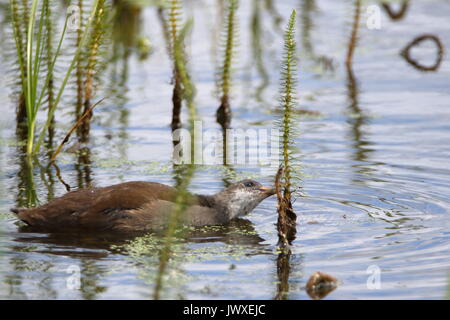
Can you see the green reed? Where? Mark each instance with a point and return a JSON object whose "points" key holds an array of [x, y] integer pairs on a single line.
{"points": [[289, 175], [189, 170], [34, 55]]}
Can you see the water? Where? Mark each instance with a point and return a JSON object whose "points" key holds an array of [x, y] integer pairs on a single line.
{"points": [[375, 187]]}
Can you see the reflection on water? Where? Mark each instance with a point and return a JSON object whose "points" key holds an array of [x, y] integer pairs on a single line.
{"points": [[309, 8], [258, 49], [26, 197], [376, 164], [396, 15], [406, 53], [88, 250], [357, 120], [283, 270], [83, 168]]}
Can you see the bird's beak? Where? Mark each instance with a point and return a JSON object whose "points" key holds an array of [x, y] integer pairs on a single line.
{"points": [[268, 191]]}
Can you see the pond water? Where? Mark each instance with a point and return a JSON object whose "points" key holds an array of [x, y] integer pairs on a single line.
{"points": [[375, 190]]}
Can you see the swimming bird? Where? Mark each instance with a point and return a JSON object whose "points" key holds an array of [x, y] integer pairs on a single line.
{"points": [[141, 206]]}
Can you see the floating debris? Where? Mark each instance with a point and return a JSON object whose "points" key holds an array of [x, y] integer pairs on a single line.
{"points": [[320, 285]]}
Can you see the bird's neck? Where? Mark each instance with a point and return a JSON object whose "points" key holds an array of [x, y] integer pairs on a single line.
{"points": [[206, 201], [217, 203]]}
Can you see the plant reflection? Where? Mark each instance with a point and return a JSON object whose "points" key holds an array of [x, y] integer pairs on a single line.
{"points": [[400, 14]]}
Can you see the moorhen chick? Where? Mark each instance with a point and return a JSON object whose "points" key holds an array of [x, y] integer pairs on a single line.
{"points": [[141, 206]]}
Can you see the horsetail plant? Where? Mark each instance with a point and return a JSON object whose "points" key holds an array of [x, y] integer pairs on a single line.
{"points": [[49, 54], [93, 64], [79, 66], [18, 20], [223, 113], [174, 18], [287, 176]]}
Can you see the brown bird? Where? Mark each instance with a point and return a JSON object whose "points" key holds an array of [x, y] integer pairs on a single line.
{"points": [[140, 206]]}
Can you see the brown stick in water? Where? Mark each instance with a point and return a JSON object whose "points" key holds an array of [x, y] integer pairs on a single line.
{"points": [[74, 127]]}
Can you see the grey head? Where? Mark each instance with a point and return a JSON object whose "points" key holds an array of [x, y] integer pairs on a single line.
{"points": [[241, 198]]}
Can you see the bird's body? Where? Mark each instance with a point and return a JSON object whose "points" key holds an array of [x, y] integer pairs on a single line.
{"points": [[141, 206]]}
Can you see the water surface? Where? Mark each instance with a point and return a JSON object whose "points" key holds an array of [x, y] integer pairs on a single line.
{"points": [[375, 184]]}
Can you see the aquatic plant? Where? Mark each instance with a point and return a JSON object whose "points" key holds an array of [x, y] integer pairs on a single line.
{"points": [[354, 34], [165, 28], [177, 96], [92, 65], [189, 169], [287, 176], [29, 62], [223, 113], [18, 15], [49, 54], [31, 71], [79, 66]]}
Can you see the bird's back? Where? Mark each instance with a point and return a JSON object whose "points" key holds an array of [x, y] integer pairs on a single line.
{"points": [[135, 203]]}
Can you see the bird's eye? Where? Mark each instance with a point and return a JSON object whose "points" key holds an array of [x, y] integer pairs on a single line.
{"points": [[249, 184]]}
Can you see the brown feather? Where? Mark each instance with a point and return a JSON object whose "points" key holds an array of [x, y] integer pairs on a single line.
{"points": [[110, 207]]}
